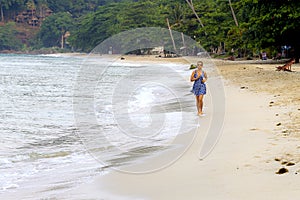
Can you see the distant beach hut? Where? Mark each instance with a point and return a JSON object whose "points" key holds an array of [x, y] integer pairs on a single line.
{"points": [[157, 50], [34, 21]]}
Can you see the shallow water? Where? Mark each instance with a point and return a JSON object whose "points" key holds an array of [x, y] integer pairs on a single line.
{"points": [[45, 149], [37, 126]]}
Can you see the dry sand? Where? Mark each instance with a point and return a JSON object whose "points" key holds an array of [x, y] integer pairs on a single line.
{"points": [[260, 136]]}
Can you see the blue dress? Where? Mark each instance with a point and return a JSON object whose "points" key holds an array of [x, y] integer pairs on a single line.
{"points": [[199, 88]]}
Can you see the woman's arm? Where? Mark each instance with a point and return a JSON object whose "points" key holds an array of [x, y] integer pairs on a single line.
{"points": [[205, 78], [192, 77]]}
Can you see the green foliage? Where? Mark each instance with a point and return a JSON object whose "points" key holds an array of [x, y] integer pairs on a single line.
{"points": [[77, 8], [270, 24], [54, 27], [6, 6], [263, 24], [8, 40], [114, 18]]}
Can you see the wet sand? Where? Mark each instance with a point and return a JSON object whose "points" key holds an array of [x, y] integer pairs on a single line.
{"points": [[260, 138]]}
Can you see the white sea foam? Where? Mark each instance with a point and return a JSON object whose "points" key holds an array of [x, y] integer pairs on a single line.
{"points": [[40, 147]]}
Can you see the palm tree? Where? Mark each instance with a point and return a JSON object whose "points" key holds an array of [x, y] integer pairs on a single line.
{"points": [[190, 2], [177, 15], [233, 14]]}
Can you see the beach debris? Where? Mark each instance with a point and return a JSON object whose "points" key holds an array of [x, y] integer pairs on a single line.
{"points": [[284, 131], [244, 87], [193, 66], [122, 58], [278, 124], [282, 170]]}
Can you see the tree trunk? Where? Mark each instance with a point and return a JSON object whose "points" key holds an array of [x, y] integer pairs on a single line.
{"points": [[233, 14], [190, 2], [62, 40], [2, 15], [171, 35]]}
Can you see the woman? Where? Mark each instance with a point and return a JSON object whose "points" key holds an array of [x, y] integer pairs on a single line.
{"points": [[199, 77]]}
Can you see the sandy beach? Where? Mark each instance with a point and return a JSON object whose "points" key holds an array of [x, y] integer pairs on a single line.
{"points": [[259, 141]]}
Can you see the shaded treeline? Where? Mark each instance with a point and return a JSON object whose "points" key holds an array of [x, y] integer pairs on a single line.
{"points": [[247, 28]]}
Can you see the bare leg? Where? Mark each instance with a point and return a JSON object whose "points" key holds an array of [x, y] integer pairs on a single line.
{"points": [[197, 103], [200, 99]]}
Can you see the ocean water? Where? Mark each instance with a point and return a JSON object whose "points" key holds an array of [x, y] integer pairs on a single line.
{"points": [[51, 142]]}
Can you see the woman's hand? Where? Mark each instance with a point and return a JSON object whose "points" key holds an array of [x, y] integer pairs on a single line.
{"points": [[193, 78]]}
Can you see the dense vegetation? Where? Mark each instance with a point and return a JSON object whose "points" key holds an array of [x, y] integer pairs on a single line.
{"points": [[260, 25]]}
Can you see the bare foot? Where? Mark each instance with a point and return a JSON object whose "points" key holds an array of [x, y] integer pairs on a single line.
{"points": [[201, 114]]}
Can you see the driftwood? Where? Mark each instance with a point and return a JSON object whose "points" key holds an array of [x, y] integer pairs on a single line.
{"points": [[287, 66]]}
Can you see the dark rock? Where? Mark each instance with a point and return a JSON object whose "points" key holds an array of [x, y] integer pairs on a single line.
{"points": [[282, 171], [277, 159], [284, 162], [290, 164]]}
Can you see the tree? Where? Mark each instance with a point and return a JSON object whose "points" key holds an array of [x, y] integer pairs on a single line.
{"points": [[42, 6], [9, 7], [8, 37], [54, 29], [4, 4], [114, 18], [272, 24], [190, 3]]}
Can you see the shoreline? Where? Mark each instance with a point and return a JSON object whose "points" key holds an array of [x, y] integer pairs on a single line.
{"points": [[147, 57], [260, 137], [254, 146]]}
